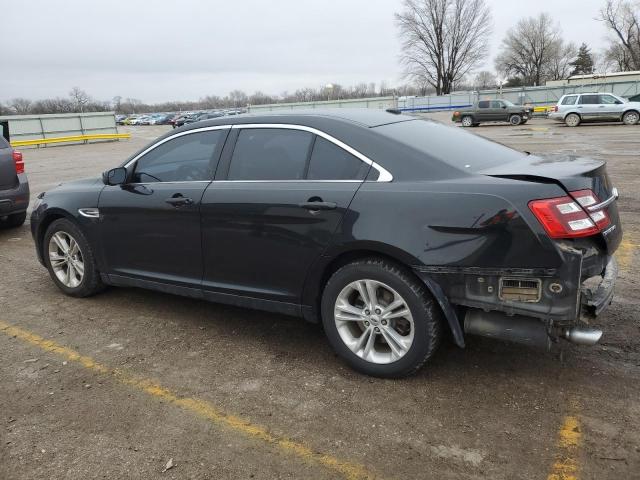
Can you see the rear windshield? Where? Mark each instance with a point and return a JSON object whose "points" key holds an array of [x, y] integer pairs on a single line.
{"points": [[451, 145]]}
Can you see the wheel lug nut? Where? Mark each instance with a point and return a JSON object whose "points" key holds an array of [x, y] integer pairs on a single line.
{"points": [[378, 311], [366, 324], [367, 312], [384, 322], [377, 329]]}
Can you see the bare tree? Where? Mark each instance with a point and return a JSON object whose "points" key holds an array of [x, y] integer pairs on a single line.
{"points": [[21, 106], [616, 58], [622, 17], [79, 97], [485, 79], [560, 61], [443, 40], [534, 50]]}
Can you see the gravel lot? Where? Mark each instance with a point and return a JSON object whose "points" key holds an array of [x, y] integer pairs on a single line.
{"points": [[229, 393]]}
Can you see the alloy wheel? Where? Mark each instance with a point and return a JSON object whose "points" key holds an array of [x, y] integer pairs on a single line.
{"points": [[467, 121], [374, 321], [631, 118], [66, 259]]}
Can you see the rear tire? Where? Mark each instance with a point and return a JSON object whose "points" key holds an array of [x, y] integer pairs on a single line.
{"points": [[631, 118], [467, 121], [13, 221], [515, 120], [375, 337], [70, 259], [572, 120]]}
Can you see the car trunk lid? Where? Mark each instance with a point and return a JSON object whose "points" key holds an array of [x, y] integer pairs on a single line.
{"points": [[573, 173]]}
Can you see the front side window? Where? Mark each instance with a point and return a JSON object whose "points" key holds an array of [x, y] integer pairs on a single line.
{"points": [[570, 100], [589, 99], [609, 100], [484, 104], [183, 159], [496, 104], [330, 162], [270, 154]]}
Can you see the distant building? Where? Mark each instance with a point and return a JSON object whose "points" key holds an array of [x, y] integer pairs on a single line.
{"points": [[595, 78]]}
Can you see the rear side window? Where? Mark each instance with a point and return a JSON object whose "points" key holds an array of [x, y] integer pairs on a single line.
{"points": [[330, 162], [570, 100], [270, 154], [484, 104], [589, 99], [184, 159]]}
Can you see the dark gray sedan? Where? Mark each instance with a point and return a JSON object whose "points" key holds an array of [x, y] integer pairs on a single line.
{"points": [[14, 187]]}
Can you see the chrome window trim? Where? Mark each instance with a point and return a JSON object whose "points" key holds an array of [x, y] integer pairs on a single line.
{"points": [[383, 174], [171, 137]]}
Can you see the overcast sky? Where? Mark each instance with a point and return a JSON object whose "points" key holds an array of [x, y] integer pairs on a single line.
{"points": [[158, 50]]}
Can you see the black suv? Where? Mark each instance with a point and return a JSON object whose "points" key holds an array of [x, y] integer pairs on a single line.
{"points": [[14, 187]]}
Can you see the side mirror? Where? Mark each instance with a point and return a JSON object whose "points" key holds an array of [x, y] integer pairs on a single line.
{"points": [[115, 176], [504, 106]]}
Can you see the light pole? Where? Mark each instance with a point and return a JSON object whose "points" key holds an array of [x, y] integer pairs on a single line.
{"points": [[329, 87]]}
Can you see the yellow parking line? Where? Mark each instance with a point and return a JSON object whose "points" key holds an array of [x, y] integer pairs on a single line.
{"points": [[200, 408], [565, 466], [625, 255]]}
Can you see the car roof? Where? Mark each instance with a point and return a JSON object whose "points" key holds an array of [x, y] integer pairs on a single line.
{"points": [[364, 117]]}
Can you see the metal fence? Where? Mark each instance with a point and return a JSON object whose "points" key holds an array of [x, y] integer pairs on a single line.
{"points": [[381, 103], [536, 96], [35, 127]]}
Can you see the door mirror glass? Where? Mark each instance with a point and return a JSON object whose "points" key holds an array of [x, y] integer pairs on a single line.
{"points": [[115, 176]]}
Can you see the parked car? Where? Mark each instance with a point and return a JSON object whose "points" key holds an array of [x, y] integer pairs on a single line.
{"points": [[14, 186], [182, 120], [493, 111], [203, 116], [120, 119], [574, 109], [383, 227]]}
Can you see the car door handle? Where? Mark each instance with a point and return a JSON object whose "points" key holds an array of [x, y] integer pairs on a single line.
{"points": [[315, 206], [179, 201]]}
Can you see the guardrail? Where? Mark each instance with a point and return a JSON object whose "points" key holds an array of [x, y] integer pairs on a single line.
{"points": [[73, 138]]}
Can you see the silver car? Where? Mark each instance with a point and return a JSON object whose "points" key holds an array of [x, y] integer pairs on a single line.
{"points": [[575, 108]]}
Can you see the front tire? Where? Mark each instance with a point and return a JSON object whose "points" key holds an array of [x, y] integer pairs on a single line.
{"points": [[631, 118], [70, 259], [380, 319], [515, 120], [572, 120]]}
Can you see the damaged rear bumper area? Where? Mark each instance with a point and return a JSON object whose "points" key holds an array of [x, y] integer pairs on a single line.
{"points": [[506, 312]]}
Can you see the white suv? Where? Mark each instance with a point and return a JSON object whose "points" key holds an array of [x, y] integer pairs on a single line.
{"points": [[573, 109]]}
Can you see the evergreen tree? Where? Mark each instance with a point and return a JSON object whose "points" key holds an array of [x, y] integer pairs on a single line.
{"points": [[583, 64]]}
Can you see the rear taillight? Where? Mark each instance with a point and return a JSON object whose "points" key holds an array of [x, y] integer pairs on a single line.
{"points": [[555, 108], [567, 217], [18, 161]]}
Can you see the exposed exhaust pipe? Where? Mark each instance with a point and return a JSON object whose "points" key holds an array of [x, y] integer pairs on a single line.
{"points": [[515, 328], [526, 330], [582, 336]]}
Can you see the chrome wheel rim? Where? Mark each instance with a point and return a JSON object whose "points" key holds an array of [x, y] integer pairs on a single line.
{"points": [[631, 118], [374, 321], [467, 122], [66, 259], [572, 120]]}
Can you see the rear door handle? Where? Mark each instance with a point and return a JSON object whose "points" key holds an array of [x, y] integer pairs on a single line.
{"points": [[316, 206], [179, 201]]}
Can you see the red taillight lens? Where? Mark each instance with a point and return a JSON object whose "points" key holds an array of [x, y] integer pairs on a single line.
{"points": [[555, 108], [18, 161], [567, 217]]}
